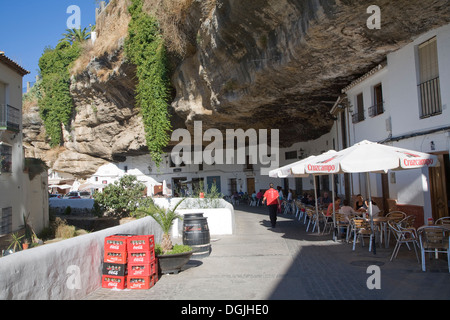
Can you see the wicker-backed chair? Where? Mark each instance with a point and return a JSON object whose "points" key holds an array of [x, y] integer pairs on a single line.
{"points": [[361, 229], [434, 239], [403, 236]]}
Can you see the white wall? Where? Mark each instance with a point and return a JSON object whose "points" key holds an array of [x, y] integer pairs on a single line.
{"points": [[70, 269], [12, 184]]}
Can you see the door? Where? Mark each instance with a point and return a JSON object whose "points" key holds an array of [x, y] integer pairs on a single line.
{"points": [[439, 187], [250, 185]]}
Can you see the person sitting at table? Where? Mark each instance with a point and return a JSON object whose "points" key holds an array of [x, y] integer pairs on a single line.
{"points": [[375, 210], [360, 205], [337, 202], [347, 210], [325, 200]]}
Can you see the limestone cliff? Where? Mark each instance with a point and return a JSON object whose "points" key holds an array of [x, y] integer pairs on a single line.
{"points": [[236, 64]]}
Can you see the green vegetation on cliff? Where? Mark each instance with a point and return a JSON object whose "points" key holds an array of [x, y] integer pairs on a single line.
{"points": [[144, 48], [56, 103]]}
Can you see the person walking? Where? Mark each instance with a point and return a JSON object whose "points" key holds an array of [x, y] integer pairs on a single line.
{"points": [[272, 200]]}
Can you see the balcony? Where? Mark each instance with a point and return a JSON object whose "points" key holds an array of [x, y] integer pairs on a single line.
{"points": [[376, 109], [9, 118]]}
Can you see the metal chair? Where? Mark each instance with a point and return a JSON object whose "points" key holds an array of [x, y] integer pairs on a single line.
{"points": [[403, 235], [342, 223], [361, 229], [434, 239], [443, 220], [396, 216], [328, 222]]}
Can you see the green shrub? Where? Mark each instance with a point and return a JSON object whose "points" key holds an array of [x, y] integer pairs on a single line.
{"points": [[144, 47]]}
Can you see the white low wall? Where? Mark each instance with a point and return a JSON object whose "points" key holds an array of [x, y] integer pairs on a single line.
{"points": [[69, 269], [220, 220]]}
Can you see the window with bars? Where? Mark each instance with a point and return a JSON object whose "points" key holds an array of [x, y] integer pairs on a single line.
{"points": [[5, 158], [358, 115], [6, 221], [378, 104], [429, 85]]}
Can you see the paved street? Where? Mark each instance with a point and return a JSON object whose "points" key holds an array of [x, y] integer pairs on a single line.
{"points": [[260, 263]]}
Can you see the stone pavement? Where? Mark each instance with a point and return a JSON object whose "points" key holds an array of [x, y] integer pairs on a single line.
{"points": [[286, 263]]}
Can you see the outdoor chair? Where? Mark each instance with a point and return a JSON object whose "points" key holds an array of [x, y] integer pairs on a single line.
{"points": [[434, 239], [361, 229], [313, 218], [300, 210], [408, 222], [403, 235], [342, 223], [443, 220], [396, 216], [328, 222]]}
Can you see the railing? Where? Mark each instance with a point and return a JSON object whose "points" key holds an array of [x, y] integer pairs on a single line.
{"points": [[376, 109], [358, 117], [430, 98], [9, 118]]}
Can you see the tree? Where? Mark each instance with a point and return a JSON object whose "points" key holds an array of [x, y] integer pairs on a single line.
{"points": [[165, 218], [73, 35], [123, 196]]}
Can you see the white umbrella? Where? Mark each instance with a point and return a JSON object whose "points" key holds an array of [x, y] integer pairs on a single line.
{"points": [[367, 156], [298, 169]]}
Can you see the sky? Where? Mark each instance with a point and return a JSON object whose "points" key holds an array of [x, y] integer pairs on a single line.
{"points": [[28, 26]]}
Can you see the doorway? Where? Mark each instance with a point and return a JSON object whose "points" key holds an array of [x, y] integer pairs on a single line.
{"points": [[440, 187]]}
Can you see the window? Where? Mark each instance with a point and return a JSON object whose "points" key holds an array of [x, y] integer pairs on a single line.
{"points": [[377, 107], [429, 86], [6, 221], [6, 158], [290, 155], [359, 115]]}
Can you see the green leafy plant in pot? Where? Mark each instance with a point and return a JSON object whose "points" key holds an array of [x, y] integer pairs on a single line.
{"points": [[171, 258]]}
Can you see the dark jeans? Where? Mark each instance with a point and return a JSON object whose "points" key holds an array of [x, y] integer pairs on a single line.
{"points": [[273, 214]]}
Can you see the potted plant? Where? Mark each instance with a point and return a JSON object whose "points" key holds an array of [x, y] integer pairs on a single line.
{"points": [[15, 242], [170, 258], [25, 244]]}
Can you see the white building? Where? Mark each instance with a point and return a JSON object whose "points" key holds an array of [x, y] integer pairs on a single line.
{"points": [[404, 102], [19, 195]]}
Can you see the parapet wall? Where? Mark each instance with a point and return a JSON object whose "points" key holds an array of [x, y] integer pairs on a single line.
{"points": [[69, 269]]}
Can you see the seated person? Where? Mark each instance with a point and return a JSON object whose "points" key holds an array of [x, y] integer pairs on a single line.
{"points": [[347, 211]]}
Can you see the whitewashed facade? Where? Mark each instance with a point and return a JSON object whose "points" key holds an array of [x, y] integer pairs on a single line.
{"points": [[19, 196], [404, 102]]}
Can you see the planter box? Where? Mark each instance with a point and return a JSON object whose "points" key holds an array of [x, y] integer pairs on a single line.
{"points": [[220, 220], [172, 263]]}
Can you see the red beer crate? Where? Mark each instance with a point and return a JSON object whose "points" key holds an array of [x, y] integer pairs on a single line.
{"points": [[142, 269], [113, 269], [141, 283], [116, 242], [141, 243], [141, 257], [118, 257], [113, 282]]}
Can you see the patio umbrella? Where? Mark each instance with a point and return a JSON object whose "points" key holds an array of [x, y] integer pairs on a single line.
{"points": [[298, 169], [367, 157]]}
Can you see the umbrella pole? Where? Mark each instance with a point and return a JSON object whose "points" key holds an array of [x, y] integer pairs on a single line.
{"points": [[370, 213], [317, 207], [334, 208]]}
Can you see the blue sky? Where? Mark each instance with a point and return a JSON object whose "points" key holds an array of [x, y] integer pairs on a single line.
{"points": [[28, 26]]}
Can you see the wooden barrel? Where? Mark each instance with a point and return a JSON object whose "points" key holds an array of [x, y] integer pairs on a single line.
{"points": [[196, 235]]}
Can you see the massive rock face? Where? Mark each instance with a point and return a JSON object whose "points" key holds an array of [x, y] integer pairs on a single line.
{"points": [[273, 64], [282, 64]]}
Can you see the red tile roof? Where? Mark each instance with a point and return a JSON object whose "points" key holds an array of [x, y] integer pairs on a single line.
{"points": [[13, 65]]}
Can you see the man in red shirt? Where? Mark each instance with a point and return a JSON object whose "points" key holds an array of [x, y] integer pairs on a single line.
{"points": [[271, 197]]}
